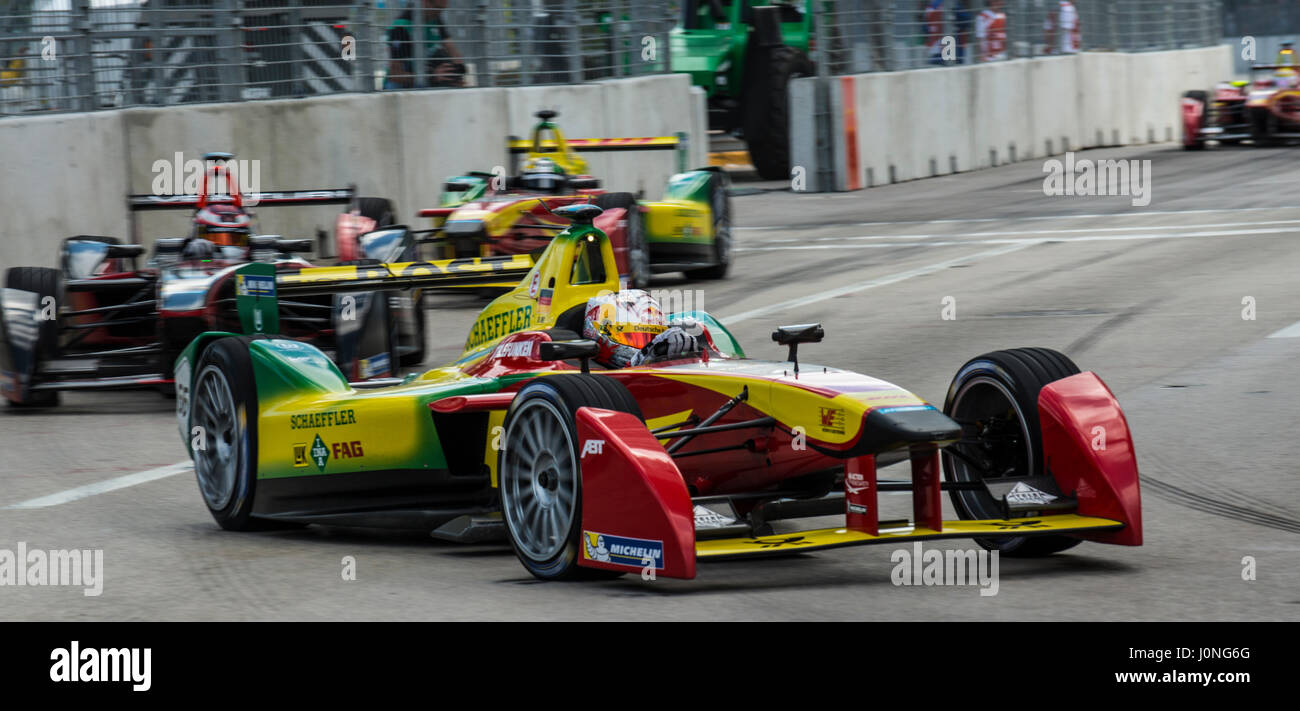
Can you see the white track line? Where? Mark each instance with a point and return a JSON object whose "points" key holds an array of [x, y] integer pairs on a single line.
{"points": [[1009, 240], [1012, 233], [973, 220], [873, 283], [1292, 331], [103, 487]]}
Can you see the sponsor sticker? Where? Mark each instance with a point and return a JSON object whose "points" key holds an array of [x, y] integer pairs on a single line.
{"points": [[515, 349], [832, 419], [1023, 493], [300, 455], [375, 365], [254, 285], [317, 420], [620, 550], [708, 518], [320, 454]]}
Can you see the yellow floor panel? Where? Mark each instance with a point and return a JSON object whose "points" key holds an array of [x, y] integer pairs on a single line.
{"points": [[835, 537]]}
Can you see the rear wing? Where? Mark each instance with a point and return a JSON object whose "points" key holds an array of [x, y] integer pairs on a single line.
{"points": [[258, 286], [335, 196], [521, 146], [445, 273]]}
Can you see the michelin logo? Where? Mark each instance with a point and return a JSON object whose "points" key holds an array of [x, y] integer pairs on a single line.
{"points": [[255, 285], [632, 552]]}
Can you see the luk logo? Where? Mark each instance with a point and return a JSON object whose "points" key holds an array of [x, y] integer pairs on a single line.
{"points": [[592, 446], [123, 664], [300, 455]]}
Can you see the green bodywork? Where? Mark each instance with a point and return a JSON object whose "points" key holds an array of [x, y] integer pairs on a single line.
{"points": [[713, 50]]}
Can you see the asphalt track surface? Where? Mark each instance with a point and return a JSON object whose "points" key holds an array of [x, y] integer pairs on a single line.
{"points": [[1149, 298]]}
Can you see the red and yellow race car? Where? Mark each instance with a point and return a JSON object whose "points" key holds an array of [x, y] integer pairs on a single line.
{"points": [[484, 214], [1263, 110], [690, 455]]}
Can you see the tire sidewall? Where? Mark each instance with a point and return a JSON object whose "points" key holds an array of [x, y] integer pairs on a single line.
{"points": [[230, 355]]}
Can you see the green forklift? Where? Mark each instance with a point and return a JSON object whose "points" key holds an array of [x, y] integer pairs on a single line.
{"points": [[744, 53]]}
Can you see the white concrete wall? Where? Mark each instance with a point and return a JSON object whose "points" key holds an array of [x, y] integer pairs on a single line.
{"points": [[70, 174], [920, 123]]}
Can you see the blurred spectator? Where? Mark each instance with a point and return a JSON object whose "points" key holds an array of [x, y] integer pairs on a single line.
{"points": [[932, 24], [1062, 29], [12, 74], [991, 32], [443, 66], [963, 19]]}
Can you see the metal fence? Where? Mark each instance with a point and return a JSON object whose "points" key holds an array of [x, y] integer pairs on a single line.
{"points": [[76, 55], [888, 35]]}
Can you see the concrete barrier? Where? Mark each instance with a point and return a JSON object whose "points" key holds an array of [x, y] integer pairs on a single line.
{"points": [[70, 174], [897, 126]]}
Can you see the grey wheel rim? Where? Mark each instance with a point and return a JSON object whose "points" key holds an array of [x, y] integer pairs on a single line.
{"points": [[992, 394], [216, 464], [721, 225], [539, 480]]}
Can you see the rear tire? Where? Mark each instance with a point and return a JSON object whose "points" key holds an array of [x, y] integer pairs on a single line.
{"points": [[995, 399], [720, 207], [540, 477], [45, 283], [638, 251], [767, 106]]}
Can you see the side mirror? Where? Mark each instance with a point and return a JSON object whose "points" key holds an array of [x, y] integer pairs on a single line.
{"points": [[582, 349]]}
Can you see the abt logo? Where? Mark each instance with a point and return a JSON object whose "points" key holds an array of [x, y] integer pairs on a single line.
{"points": [[592, 446]]}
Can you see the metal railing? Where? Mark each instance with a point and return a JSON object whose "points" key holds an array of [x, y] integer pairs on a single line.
{"points": [[889, 35], [78, 55]]}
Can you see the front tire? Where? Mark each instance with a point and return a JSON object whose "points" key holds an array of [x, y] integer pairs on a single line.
{"points": [[994, 397], [224, 403], [45, 283], [540, 476]]}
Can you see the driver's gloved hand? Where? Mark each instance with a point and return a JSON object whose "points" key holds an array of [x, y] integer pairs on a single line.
{"points": [[671, 343]]}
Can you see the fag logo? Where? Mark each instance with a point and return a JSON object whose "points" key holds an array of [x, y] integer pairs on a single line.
{"points": [[592, 446], [348, 450]]}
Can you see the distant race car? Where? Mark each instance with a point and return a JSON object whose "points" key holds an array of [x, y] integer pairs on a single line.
{"points": [[484, 214], [1264, 110], [651, 467], [99, 321]]}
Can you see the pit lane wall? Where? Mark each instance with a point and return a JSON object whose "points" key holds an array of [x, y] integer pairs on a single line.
{"points": [[898, 126], [69, 174]]}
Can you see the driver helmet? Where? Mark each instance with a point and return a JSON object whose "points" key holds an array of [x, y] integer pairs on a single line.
{"points": [[622, 323], [543, 175], [223, 225]]}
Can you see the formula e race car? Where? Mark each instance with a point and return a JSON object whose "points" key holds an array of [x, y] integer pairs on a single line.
{"points": [[653, 467], [1264, 110], [99, 321], [486, 214]]}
